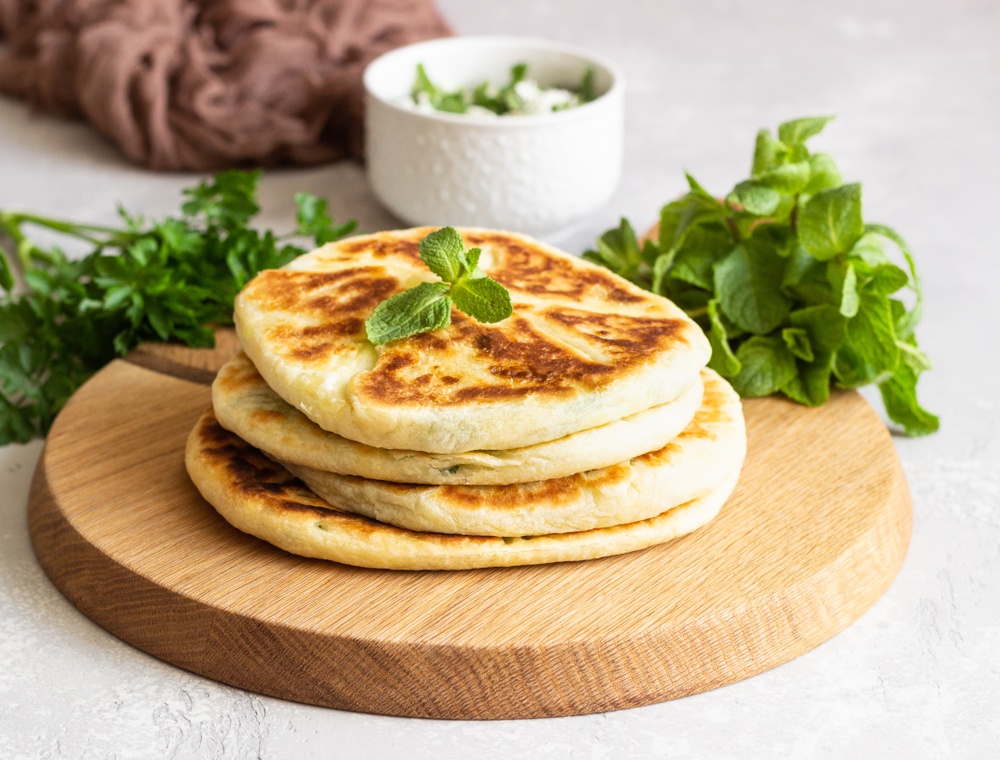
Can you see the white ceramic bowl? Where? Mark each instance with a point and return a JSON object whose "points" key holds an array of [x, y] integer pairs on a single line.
{"points": [[533, 173]]}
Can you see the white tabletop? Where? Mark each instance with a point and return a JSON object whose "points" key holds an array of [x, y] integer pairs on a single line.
{"points": [[916, 87]]}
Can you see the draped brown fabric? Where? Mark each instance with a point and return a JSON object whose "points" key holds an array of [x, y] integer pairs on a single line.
{"points": [[208, 84]]}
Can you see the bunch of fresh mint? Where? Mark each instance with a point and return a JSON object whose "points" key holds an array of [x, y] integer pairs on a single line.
{"points": [[427, 306], [172, 280], [794, 290]]}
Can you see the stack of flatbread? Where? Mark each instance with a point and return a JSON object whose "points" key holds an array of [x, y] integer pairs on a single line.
{"points": [[582, 426]]}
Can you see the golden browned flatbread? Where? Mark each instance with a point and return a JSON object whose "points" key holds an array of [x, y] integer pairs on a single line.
{"points": [[248, 406], [583, 347], [705, 454], [263, 499]]}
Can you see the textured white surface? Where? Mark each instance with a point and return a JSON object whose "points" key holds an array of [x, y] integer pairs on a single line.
{"points": [[533, 174], [917, 90]]}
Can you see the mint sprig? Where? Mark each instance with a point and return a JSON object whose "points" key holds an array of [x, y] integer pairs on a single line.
{"points": [[796, 292], [427, 306]]}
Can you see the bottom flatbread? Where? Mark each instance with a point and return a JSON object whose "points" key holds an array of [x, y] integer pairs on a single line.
{"points": [[259, 497]]}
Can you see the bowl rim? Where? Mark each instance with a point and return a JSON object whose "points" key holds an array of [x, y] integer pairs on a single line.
{"points": [[498, 41]]}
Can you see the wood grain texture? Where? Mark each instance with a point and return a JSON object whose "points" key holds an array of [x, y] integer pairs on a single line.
{"points": [[814, 534]]}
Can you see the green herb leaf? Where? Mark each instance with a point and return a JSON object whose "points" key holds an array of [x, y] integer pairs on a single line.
{"points": [[314, 221], [768, 153], [748, 284], [168, 280], [420, 309], [428, 305], [797, 131], [797, 340], [789, 260], [823, 174], [443, 252], [899, 394], [766, 365], [723, 360], [6, 276], [831, 221], [850, 301], [755, 197], [482, 298], [870, 352], [787, 178]]}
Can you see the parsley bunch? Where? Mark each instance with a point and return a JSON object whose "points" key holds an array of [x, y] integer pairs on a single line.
{"points": [[171, 280], [427, 306], [794, 290]]}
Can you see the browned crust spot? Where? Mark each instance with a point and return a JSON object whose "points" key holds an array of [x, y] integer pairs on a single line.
{"points": [[334, 306], [355, 288], [516, 360], [523, 496], [529, 269], [712, 414], [384, 246], [251, 476]]}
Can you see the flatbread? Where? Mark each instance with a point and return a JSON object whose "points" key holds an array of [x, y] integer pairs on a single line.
{"points": [[696, 462], [261, 498], [246, 405], [583, 347]]}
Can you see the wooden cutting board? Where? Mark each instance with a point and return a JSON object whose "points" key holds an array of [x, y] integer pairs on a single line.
{"points": [[814, 534]]}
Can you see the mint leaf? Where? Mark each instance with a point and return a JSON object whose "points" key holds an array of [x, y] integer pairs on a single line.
{"points": [[850, 301], [755, 197], [913, 356], [680, 216], [823, 174], [723, 360], [795, 292], [908, 321], [899, 394], [831, 223], [797, 340], [419, 309], [618, 250], [748, 284], [886, 279], [788, 178], [6, 276], [482, 298], [766, 366], [806, 279], [470, 260], [443, 252], [870, 351], [797, 131], [663, 264], [767, 153], [869, 249], [428, 305], [702, 248]]}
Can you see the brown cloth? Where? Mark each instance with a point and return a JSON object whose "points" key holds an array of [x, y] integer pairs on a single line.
{"points": [[209, 84]]}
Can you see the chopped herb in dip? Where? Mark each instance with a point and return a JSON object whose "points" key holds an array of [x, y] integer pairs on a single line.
{"points": [[519, 96]]}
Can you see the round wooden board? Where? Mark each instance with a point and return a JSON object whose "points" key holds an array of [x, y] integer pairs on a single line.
{"points": [[814, 534]]}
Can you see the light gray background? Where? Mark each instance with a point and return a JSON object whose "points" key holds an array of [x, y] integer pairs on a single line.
{"points": [[916, 87]]}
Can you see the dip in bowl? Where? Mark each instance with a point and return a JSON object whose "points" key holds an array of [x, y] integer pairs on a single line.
{"points": [[534, 173]]}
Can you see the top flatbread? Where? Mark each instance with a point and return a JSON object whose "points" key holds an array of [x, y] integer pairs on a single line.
{"points": [[583, 347]]}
